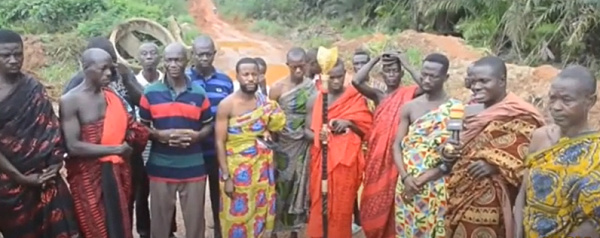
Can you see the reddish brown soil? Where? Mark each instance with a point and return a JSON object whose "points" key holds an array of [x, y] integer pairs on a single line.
{"points": [[34, 53]]}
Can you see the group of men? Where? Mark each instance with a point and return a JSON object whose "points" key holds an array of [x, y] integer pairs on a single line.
{"points": [[162, 134]]}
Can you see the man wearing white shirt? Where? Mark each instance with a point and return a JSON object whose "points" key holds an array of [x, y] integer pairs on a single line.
{"points": [[262, 81], [313, 69], [149, 58]]}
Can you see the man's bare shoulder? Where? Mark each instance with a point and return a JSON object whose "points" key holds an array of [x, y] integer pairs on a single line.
{"points": [[543, 133], [74, 97], [277, 89], [228, 101], [279, 84], [541, 138], [411, 104], [71, 96]]}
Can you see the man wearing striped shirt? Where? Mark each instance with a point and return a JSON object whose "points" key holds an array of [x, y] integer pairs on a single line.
{"points": [[149, 58], [179, 114], [217, 86]]}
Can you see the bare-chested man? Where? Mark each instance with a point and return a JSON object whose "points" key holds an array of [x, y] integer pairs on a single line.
{"points": [[377, 203], [245, 120], [292, 94], [421, 191], [100, 137], [560, 193], [34, 198], [123, 80]]}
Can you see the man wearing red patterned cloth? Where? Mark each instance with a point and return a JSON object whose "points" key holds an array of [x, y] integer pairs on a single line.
{"points": [[100, 135], [377, 205]]}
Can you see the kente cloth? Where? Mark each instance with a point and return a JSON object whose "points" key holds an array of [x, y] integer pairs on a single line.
{"points": [[423, 215], [101, 187], [563, 187], [499, 135], [377, 204], [251, 212], [292, 162], [345, 164], [30, 139]]}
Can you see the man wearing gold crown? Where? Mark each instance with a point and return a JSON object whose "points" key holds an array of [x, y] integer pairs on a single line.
{"points": [[484, 181], [349, 119], [421, 189]]}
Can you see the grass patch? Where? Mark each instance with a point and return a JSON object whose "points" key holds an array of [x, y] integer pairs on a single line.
{"points": [[181, 19], [415, 57], [190, 34], [279, 21], [62, 53], [58, 74], [269, 28], [317, 41], [64, 25], [353, 32]]}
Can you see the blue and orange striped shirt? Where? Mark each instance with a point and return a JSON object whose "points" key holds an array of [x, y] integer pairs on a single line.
{"points": [[190, 109], [217, 87]]}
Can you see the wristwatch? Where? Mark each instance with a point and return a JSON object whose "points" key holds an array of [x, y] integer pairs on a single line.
{"points": [[444, 168], [225, 177]]}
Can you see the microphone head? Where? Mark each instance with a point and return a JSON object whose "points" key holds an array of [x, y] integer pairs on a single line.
{"points": [[457, 112]]}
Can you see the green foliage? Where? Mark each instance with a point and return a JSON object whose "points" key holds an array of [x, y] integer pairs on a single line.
{"points": [[531, 31], [120, 10], [64, 25], [47, 15], [268, 28], [87, 17], [59, 73]]}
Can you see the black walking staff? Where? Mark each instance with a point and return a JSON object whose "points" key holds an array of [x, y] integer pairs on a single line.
{"points": [[326, 59]]}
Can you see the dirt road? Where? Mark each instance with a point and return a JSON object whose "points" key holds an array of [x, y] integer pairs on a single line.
{"points": [[233, 44]]}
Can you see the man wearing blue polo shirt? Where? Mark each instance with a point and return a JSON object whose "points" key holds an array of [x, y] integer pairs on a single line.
{"points": [[217, 86]]}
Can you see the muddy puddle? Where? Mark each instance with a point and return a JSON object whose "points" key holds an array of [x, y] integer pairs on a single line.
{"points": [[229, 52]]}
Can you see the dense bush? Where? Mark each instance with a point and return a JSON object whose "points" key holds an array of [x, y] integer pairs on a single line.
{"points": [[530, 31], [87, 17]]}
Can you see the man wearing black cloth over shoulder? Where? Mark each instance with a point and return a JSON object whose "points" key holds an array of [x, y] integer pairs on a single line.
{"points": [[34, 199]]}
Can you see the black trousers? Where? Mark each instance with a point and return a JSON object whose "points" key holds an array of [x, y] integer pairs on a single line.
{"points": [[212, 166], [141, 191], [356, 213]]}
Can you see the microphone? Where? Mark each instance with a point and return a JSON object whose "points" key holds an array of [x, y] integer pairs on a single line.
{"points": [[455, 125]]}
